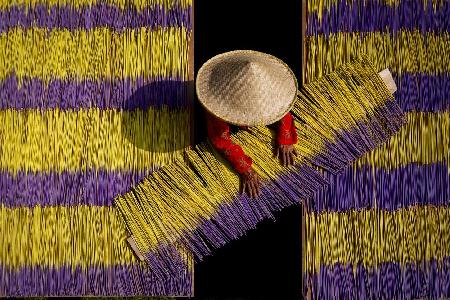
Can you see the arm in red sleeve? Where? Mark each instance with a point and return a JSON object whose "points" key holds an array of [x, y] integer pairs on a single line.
{"points": [[287, 133], [219, 135]]}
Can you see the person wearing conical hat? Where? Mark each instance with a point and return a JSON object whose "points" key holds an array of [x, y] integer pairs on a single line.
{"points": [[248, 88]]}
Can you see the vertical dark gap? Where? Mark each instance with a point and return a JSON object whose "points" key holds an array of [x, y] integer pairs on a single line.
{"points": [[266, 263]]}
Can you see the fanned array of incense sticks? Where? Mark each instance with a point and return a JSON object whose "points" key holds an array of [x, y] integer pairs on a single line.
{"points": [[193, 204], [379, 231], [94, 96]]}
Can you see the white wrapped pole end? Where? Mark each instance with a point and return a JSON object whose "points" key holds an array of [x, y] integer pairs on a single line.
{"points": [[387, 78], [133, 246]]}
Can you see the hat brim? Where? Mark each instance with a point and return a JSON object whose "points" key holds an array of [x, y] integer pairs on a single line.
{"points": [[263, 104]]}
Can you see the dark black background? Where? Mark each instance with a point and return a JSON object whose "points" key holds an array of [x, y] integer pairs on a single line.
{"points": [[266, 263]]}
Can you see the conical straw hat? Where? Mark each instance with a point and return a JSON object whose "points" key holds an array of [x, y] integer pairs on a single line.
{"points": [[246, 87]]}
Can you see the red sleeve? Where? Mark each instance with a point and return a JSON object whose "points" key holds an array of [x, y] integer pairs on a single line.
{"points": [[219, 135], [287, 133]]}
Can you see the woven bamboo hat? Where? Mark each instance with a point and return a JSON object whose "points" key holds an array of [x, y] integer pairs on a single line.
{"points": [[246, 87]]}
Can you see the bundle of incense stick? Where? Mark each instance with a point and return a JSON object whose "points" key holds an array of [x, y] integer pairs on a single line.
{"points": [[194, 204]]}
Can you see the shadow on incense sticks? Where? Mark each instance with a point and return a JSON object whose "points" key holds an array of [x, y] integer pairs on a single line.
{"points": [[172, 93], [159, 121]]}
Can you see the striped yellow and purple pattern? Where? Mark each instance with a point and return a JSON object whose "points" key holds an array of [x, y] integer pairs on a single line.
{"points": [[380, 230], [94, 96]]}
